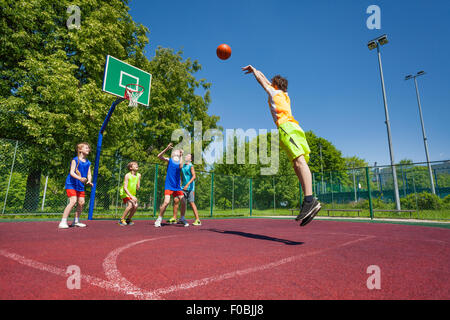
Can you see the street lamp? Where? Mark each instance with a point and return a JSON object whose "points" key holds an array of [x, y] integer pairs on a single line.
{"points": [[321, 166], [408, 77], [376, 43]]}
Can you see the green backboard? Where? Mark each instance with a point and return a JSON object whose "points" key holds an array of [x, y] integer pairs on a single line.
{"points": [[118, 74]]}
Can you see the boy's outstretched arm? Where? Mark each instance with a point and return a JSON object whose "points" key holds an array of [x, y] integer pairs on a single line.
{"points": [[161, 154], [260, 77]]}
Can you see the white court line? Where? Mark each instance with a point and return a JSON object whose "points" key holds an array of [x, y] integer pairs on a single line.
{"points": [[205, 281], [62, 272], [114, 276], [117, 283]]}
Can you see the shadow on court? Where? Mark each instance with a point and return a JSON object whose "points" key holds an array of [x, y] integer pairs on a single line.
{"points": [[256, 236]]}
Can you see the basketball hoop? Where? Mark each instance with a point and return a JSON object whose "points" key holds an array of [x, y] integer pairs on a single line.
{"points": [[132, 93]]}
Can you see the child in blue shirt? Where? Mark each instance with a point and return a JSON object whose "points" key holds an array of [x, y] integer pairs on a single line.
{"points": [[172, 185], [79, 176]]}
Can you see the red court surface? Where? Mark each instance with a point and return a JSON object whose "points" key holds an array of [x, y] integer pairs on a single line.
{"points": [[228, 259]]}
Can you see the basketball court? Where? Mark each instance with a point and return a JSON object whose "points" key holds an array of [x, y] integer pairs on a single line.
{"points": [[224, 259]]}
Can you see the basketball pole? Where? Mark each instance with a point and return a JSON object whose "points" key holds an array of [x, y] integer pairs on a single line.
{"points": [[97, 156]]}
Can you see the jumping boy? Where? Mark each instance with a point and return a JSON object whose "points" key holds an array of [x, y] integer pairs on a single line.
{"points": [[292, 138], [131, 184], [79, 176], [188, 185], [172, 185]]}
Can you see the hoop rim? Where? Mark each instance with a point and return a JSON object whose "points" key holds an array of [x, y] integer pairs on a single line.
{"points": [[134, 90]]}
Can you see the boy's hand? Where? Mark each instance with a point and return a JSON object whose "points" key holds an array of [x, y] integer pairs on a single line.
{"points": [[89, 183], [248, 69], [170, 146]]}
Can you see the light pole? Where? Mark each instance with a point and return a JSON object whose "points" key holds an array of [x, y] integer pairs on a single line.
{"points": [[376, 43], [321, 165], [408, 77]]}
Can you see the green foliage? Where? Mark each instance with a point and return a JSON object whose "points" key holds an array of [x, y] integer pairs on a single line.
{"points": [[377, 203], [421, 201], [355, 162], [51, 79], [174, 104], [446, 202]]}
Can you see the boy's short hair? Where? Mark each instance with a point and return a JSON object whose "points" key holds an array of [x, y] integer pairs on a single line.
{"points": [[192, 157], [80, 145], [129, 165], [280, 82]]}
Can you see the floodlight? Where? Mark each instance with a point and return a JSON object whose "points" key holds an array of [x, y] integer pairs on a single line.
{"points": [[372, 45], [383, 39]]}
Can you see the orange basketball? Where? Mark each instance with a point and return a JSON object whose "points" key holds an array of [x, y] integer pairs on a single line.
{"points": [[223, 51]]}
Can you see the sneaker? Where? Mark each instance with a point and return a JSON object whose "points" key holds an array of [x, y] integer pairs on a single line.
{"points": [[129, 222], [63, 225], [122, 222], [172, 221], [158, 223], [308, 209], [309, 218], [78, 224], [197, 223], [184, 222]]}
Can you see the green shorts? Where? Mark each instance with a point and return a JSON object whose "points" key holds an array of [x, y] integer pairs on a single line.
{"points": [[293, 141]]}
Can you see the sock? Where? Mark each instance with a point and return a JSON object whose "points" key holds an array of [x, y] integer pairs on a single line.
{"points": [[64, 220], [309, 198], [76, 220]]}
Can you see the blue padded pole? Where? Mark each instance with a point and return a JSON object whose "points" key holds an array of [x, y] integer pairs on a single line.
{"points": [[97, 156]]}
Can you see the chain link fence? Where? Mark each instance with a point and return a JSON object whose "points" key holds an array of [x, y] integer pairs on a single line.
{"points": [[356, 192]]}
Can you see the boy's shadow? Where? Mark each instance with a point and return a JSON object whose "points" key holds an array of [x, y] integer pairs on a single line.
{"points": [[256, 236]]}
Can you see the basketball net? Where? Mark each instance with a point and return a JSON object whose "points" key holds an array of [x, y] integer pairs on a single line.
{"points": [[132, 93]]}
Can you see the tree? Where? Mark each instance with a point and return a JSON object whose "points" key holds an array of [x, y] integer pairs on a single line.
{"points": [[285, 183], [51, 79], [355, 162], [174, 104]]}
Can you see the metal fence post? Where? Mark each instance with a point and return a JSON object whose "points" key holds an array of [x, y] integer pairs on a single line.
{"points": [[369, 193], [155, 191], [331, 188], [274, 199], [232, 203], [10, 175], [118, 188], [45, 193], [211, 200], [251, 197]]}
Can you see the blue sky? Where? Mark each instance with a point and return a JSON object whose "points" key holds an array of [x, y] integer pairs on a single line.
{"points": [[321, 47]]}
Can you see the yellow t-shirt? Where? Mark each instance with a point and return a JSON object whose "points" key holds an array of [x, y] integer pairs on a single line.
{"points": [[132, 184], [280, 107]]}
